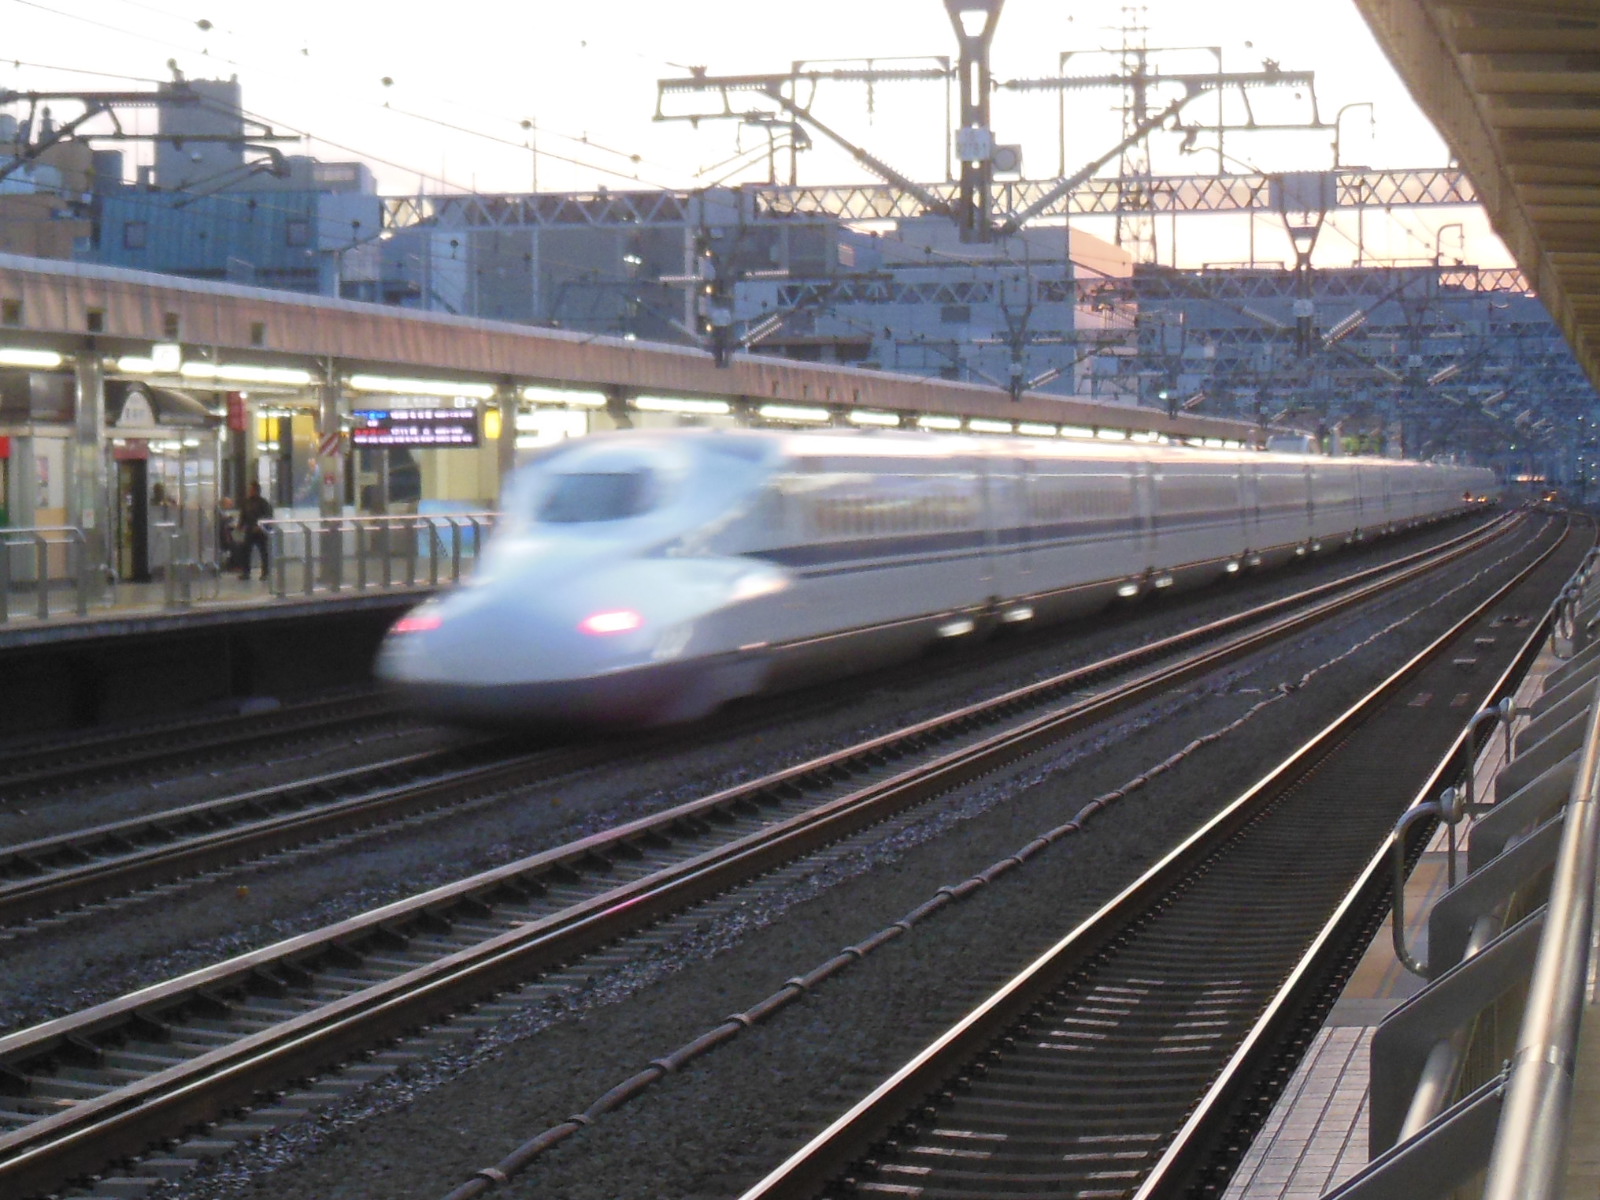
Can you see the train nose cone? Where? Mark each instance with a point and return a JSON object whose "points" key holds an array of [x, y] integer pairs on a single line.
{"points": [[501, 657]]}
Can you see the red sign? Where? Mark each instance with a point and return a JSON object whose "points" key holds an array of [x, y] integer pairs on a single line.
{"points": [[5, 447], [237, 417]]}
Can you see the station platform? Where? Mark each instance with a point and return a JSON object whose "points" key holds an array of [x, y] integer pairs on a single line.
{"points": [[137, 608], [142, 652], [1316, 1137]]}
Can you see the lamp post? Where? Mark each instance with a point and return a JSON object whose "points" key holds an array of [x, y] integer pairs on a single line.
{"points": [[1372, 124], [530, 126], [1361, 212]]}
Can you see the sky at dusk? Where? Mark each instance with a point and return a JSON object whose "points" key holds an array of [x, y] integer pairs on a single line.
{"points": [[436, 102]]}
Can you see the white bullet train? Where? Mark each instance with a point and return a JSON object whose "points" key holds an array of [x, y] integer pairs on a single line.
{"points": [[648, 577]]}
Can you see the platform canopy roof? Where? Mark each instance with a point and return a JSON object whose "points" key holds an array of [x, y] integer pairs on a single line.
{"points": [[72, 307], [1514, 88]]}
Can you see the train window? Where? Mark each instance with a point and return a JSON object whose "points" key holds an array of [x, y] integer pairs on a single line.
{"points": [[599, 496]]}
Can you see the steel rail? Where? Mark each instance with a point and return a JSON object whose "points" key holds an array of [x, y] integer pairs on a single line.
{"points": [[72, 762], [52, 874], [120, 1121], [1373, 887], [847, 1139]]}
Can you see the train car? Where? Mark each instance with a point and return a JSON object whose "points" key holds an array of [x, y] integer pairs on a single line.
{"points": [[644, 578]]}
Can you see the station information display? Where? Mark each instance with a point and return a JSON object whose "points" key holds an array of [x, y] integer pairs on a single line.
{"points": [[414, 427]]}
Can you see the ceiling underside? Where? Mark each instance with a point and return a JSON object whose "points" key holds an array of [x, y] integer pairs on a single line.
{"points": [[1514, 87]]}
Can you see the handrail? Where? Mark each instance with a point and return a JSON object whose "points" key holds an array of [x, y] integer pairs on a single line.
{"points": [[1529, 1161]]}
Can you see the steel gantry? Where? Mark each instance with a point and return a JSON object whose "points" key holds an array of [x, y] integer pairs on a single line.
{"points": [[867, 202]]}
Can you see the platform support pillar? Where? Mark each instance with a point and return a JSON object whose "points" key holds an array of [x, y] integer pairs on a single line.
{"points": [[87, 503], [331, 467], [506, 443], [330, 450]]}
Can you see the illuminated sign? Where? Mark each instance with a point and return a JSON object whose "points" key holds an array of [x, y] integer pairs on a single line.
{"points": [[415, 427]]}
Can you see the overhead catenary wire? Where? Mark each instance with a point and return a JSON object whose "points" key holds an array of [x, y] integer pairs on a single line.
{"points": [[421, 174], [56, 11], [478, 133]]}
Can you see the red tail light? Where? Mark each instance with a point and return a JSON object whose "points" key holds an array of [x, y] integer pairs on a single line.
{"points": [[620, 620], [417, 623]]}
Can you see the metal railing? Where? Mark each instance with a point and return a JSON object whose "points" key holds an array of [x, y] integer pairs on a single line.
{"points": [[1472, 1077], [332, 554], [45, 571], [51, 557]]}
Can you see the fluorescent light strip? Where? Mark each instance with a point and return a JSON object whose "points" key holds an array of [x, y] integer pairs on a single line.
{"points": [[44, 360], [1034, 429], [984, 425], [675, 404], [950, 424], [420, 387], [792, 412], [1076, 431], [534, 394], [883, 419], [246, 373], [1112, 435]]}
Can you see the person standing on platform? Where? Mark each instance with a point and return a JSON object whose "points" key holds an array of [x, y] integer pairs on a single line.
{"points": [[252, 512], [227, 536]]}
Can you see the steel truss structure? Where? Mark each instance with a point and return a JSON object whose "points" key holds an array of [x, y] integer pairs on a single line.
{"points": [[867, 202]]}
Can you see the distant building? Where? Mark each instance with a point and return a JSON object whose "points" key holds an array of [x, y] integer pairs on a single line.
{"points": [[207, 209], [806, 286], [918, 300], [46, 201]]}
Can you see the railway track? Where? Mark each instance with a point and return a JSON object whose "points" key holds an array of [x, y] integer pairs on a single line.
{"points": [[46, 876], [147, 750], [1135, 1057], [103, 1083]]}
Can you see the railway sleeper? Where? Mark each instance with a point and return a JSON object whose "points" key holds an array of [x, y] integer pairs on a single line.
{"points": [[471, 906], [22, 866], [383, 938], [348, 983]]}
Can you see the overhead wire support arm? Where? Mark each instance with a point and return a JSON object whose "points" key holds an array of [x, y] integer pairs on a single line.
{"points": [[96, 104], [698, 81], [1017, 220], [931, 201], [103, 99], [1202, 80], [56, 136]]}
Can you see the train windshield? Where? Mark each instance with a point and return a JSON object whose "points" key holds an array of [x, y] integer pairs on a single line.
{"points": [[596, 496]]}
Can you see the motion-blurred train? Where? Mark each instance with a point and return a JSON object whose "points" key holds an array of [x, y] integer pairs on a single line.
{"points": [[643, 578]]}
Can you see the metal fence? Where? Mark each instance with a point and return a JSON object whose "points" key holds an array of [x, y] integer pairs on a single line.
{"points": [[45, 570], [332, 554], [43, 560], [1472, 1077]]}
